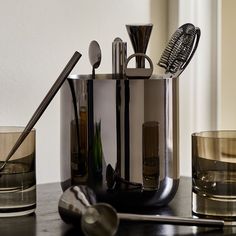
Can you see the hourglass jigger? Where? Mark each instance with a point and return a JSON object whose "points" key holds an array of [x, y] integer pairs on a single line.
{"points": [[139, 36]]}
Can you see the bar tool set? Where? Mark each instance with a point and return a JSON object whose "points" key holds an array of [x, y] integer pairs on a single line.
{"points": [[78, 206], [119, 131], [123, 150]]}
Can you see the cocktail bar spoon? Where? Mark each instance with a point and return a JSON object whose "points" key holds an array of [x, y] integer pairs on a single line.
{"points": [[43, 105], [175, 220], [95, 57]]}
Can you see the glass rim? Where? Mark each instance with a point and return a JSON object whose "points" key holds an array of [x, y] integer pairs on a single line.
{"points": [[14, 129], [215, 134]]}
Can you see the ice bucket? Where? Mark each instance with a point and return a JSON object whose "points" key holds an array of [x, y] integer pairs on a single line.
{"points": [[120, 137]]}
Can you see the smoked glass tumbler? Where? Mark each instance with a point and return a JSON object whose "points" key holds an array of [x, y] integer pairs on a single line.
{"points": [[17, 178], [214, 174]]}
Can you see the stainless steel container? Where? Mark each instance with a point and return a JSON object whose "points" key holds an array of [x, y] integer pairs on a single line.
{"points": [[120, 137]]}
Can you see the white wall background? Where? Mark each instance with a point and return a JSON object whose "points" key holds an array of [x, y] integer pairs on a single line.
{"points": [[198, 84], [39, 37], [227, 85]]}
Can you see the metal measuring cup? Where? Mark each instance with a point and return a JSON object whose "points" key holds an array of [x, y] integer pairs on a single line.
{"points": [[78, 206]]}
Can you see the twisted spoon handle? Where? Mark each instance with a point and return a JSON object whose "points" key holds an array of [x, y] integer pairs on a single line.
{"points": [[172, 220]]}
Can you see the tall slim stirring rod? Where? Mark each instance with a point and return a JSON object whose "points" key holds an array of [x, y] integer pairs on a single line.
{"points": [[43, 105]]}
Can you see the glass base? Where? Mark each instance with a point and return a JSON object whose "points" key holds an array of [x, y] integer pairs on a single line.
{"points": [[12, 212], [17, 202], [220, 208]]}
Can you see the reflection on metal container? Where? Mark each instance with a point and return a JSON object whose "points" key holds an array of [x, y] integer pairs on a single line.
{"points": [[151, 163], [120, 110]]}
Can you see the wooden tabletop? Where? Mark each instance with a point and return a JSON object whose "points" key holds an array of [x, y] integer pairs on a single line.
{"points": [[46, 220]]}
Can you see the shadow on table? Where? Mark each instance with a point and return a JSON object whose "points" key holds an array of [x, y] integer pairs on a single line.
{"points": [[134, 228]]}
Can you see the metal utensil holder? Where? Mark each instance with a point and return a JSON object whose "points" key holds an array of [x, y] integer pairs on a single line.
{"points": [[130, 125]]}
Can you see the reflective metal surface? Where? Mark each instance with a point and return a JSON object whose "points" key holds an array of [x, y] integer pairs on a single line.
{"points": [[95, 55], [139, 37], [119, 56], [120, 109], [77, 206], [137, 73]]}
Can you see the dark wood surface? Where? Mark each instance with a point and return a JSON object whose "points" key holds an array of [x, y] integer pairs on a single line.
{"points": [[46, 220]]}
